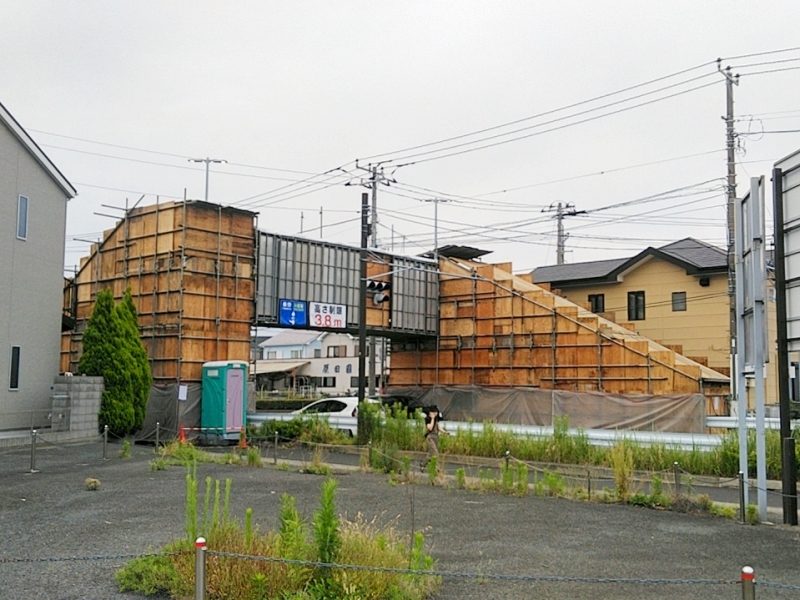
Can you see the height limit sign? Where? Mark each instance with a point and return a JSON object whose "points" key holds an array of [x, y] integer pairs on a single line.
{"points": [[323, 314]]}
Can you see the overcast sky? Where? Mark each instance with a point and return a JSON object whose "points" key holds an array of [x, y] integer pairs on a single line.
{"points": [[120, 94]]}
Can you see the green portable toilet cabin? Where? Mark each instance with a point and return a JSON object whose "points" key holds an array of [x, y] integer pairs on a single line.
{"points": [[222, 411]]}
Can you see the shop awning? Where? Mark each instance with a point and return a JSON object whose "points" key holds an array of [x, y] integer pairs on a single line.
{"points": [[264, 367]]}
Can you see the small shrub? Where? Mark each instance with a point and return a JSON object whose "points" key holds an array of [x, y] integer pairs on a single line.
{"points": [[125, 452], [92, 484], [522, 479], [254, 457], [461, 478], [621, 459], [725, 511], [752, 514], [159, 463]]}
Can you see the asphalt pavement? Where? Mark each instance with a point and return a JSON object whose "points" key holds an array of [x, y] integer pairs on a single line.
{"points": [[61, 541]]}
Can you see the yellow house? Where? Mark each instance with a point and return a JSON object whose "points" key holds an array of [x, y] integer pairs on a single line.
{"points": [[676, 295]]}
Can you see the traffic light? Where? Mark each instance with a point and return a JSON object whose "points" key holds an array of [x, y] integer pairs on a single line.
{"points": [[379, 290]]}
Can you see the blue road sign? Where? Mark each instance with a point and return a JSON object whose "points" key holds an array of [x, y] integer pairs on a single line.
{"points": [[293, 313]]}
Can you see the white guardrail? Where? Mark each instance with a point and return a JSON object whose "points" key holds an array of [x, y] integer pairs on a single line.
{"points": [[596, 437]]}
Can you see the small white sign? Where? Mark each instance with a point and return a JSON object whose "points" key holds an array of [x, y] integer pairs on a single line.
{"points": [[183, 392], [322, 314]]}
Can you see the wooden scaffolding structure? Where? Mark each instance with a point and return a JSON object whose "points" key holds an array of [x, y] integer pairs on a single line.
{"points": [[501, 330], [190, 267]]}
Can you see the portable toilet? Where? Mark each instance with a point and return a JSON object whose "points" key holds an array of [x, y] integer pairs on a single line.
{"points": [[222, 411]]}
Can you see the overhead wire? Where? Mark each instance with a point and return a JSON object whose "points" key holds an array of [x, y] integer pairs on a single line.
{"points": [[543, 114], [414, 160]]}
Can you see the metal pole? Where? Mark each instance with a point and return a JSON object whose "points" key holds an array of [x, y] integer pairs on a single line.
{"points": [[200, 569], [105, 441], [788, 474], [275, 451], [788, 468], [362, 298], [589, 484], [676, 474], [748, 583], [742, 502], [158, 432], [33, 451]]}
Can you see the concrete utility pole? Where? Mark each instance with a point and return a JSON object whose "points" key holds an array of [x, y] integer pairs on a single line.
{"points": [[562, 210], [730, 188], [373, 244], [208, 161], [362, 295]]}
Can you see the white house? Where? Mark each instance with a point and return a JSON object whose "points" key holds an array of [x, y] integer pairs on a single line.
{"points": [[326, 363], [33, 218]]}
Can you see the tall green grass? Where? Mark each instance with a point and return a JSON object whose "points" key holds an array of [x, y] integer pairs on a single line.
{"points": [[403, 433], [328, 539]]}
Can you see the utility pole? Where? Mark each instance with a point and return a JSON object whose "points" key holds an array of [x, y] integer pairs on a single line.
{"points": [[730, 192], [373, 244], [362, 296], [208, 161], [562, 210]]}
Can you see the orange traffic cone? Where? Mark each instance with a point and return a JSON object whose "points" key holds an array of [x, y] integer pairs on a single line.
{"points": [[242, 440], [182, 436]]}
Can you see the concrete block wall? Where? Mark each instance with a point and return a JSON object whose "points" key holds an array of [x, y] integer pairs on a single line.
{"points": [[84, 395]]}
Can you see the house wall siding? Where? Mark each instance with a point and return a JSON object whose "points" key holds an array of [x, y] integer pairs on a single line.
{"points": [[31, 273], [702, 329]]}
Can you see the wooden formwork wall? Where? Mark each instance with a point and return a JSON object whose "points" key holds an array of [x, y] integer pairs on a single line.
{"points": [[190, 267], [498, 330]]}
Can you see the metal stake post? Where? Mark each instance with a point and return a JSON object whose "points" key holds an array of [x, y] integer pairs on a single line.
{"points": [[589, 484], [33, 451], [105, 441], [158, 432], [675, 470], [748, 583], [200, 569], [275, 452], [742, 507]]}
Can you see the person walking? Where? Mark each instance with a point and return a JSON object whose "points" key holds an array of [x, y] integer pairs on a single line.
{"points": [[433, 427]]}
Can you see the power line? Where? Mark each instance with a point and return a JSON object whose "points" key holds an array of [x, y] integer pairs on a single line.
{"points": [[543, 114], [767, 52], [534, 134]]}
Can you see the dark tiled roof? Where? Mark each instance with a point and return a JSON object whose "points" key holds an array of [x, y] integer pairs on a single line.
{"points": [[697, 253], [584, 270], [693, 255]]}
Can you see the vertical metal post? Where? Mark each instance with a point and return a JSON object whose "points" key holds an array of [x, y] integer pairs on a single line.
{"points": [[105, 441], [789, 473], [275, 451], [788, 469], [589, 484], [748, 583], [362, 298], [742, 499], [508, 456], [200, 569], [676, 473], [370, 453], [158, 434], [33, 451]]}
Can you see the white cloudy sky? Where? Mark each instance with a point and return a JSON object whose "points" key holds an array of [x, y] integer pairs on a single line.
{"points": [[120, 94]]}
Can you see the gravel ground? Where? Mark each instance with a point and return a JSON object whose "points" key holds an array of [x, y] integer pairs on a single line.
{"points": [[50, 515]]}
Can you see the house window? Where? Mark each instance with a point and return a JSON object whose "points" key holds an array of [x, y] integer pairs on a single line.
{"points": [[327, 382], [635, 306], [13, 380], [678, 301], [597, 303], [272, 355], [22, 218], [317, 353], [337, 351], [296, 353]]}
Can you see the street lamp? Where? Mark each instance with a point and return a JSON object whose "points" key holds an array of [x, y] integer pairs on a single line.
{"points": [[436, 226], [208, 161]]}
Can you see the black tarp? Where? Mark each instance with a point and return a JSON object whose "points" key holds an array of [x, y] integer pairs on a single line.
{"points": [[165, 407], [683, 413]]}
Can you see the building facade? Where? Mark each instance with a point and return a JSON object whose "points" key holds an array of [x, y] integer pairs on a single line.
{"points": [[314, 362], [676, 295], [33, 216]]}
